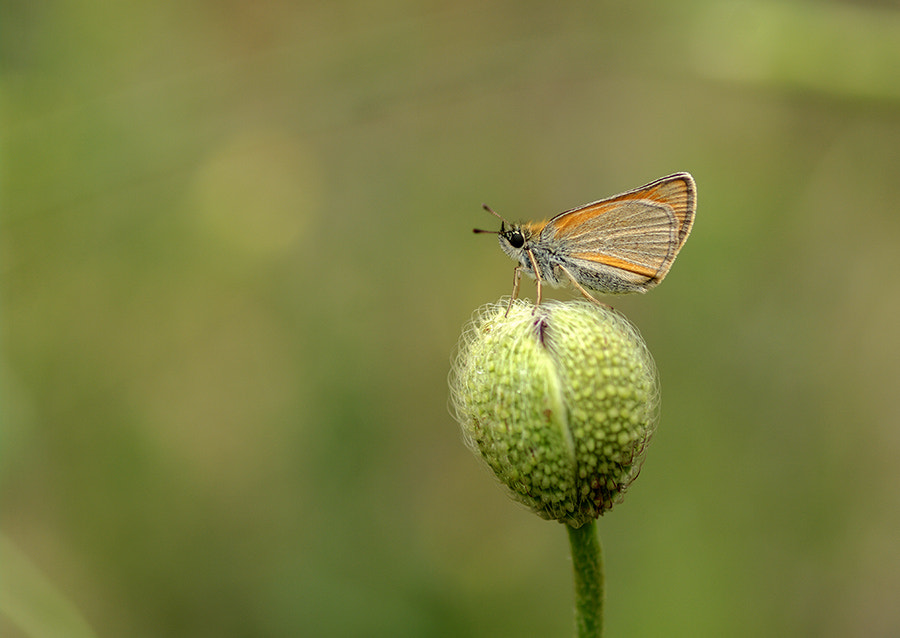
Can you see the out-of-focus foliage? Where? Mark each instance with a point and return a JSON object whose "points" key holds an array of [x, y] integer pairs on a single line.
{"points": [[236, 257]]}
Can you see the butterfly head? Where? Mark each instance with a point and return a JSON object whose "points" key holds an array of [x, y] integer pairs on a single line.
{"points": [[514, 238]]}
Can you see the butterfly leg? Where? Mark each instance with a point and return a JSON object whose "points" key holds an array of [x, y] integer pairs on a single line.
{"points": [[581, 288], [537, 277], [517, 277]]}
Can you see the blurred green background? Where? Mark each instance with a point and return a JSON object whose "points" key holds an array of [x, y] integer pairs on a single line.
{"points": [[236, 257]]}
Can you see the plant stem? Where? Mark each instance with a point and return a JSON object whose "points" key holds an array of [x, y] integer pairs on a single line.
{"points": [[587, 561]]}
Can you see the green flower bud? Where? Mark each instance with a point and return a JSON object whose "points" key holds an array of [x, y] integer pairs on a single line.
{"points": [[560, 400]]}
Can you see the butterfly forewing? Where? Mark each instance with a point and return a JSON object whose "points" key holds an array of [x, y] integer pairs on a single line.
{"points": [[677, 191], [637, 236], [638, 232]]}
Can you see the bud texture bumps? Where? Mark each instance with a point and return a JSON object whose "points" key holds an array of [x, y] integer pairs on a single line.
{"points": [[560, 401]]}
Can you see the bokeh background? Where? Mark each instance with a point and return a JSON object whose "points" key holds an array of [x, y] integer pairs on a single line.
{"points": [[236, 257]]}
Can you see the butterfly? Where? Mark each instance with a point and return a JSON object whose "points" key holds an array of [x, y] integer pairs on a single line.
{"points": [[621, 244]]}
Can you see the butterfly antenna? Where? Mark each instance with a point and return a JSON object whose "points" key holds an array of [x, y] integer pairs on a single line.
{"points": [[503, 222]]}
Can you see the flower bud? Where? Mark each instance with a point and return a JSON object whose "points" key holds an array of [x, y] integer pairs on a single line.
{"points": [[560, 400]]}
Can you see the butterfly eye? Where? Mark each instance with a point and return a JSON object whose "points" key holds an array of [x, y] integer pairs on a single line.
{"points": [[515, 238]]}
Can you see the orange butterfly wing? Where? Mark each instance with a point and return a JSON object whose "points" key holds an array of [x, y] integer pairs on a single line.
{"points": [[639, 232]]}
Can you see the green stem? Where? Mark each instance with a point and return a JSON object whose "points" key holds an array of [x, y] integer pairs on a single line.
{"points": [[587, 561]]}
